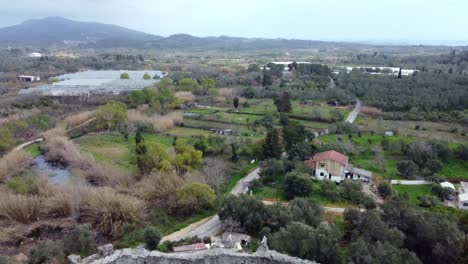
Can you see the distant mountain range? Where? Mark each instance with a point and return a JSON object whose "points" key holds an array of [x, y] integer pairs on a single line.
{"points": [[59, 32]]}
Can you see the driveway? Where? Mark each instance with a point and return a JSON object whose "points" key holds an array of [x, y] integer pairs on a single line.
{"points": [[211, 226], [354, 114]]}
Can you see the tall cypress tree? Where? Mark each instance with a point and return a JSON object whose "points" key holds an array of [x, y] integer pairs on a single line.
{"points": [[140, 149], [271, 147]]}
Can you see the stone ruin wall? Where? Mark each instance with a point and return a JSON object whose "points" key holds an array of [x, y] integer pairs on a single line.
{"points": [[106, 255]]}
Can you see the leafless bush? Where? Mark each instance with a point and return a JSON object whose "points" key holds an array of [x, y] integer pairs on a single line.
{"points": [[186, 96], [13, 161], [158, 123], [65, 201], [22, 115], [78, 118], [158, 187], [58, 131], [371, 111], [110, 211], [215, 171], [106, 175], [60, 149], [226, 92], [20, 208]]}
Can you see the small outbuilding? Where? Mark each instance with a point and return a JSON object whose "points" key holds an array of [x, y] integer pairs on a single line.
{"points": [[447, 185], [463, 196], [28, 78]]}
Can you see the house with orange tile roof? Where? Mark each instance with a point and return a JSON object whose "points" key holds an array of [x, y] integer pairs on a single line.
{"points": [[334, 166]]}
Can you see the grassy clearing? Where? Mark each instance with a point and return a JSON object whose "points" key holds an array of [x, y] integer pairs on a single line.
{"points": [[33, 150], [413, 191], [187, 132], [200, 111], [455, 168], [115, 150], [273, 194], [427, 130]]}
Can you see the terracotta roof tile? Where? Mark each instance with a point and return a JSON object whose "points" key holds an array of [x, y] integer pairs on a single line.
{"points": [[192, 247], [331, 155]]}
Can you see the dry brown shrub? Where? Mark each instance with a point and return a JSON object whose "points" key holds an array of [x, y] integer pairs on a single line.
{"points": [[13, 161], [159, 123], [7, 233], [186, 96], [371, 111], [78, 118], [65, 201], [226, 92], [58, 131], [62, 150], [22, 115], [158, 187], [43, 187], [20, 208], [109, 211], [107, 175]]}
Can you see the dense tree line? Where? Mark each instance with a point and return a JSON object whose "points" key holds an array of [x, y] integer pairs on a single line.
{"points": [[423, 92]]}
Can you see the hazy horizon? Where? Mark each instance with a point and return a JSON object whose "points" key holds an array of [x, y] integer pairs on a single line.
{"points": [[393, 22]]}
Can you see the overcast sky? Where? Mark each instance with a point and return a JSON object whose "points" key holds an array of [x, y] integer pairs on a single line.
{"points": [[397, 21]]}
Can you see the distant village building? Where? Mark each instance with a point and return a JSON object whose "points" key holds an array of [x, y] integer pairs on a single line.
{"points": [[35, 55], [28, 78], [334, 166], [463, 196]]}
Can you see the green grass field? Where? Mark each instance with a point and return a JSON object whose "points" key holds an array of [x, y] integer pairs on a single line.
{"points": [[187, 132], [115, 150], [427, 130], [273, 194], [33, 150], [413, 191], [455, 168]]}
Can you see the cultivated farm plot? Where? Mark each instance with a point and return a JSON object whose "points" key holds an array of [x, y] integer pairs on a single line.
{"points": [[427, 130]]}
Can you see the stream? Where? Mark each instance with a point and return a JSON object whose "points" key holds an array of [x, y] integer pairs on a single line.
{"points": [[55, 174]]}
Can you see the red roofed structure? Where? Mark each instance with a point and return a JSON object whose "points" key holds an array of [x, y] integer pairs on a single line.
{"points": [[190, 248], [331, 155], [329, 165]]}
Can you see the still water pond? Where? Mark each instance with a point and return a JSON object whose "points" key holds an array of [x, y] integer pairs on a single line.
{"points": [[56, 174]]}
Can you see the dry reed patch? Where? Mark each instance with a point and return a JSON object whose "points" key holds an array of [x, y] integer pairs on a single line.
{"points": [[109, 211], [155, 188], [65, 201], [371, 111], [186, 96], [107, 175], [158, 123], [58, 131], [226, 92], [78, 118], [20, 208], [12, 162]]}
